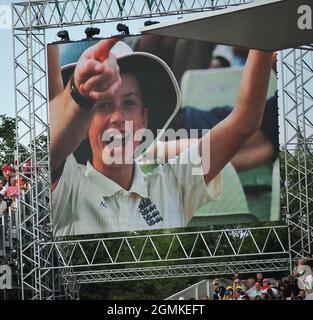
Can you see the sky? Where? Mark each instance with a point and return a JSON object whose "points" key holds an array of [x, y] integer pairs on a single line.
{"points": [[6, 63]]}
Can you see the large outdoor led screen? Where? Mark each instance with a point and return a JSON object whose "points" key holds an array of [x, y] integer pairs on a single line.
{"points": [[151, 132]]}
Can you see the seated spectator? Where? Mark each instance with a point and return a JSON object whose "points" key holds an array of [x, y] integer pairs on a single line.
{"points": [[299, 271], [309, 282], [3, 205], [6, 168], [12, 190], [239, 285], [259, 278], [258, 290], [236, 279], [205, 298], [251, 286], [7, 177], [288, 289], [229, 293], [266, 284], [301, 295], [293, 286], [281, 294], [237, 276], [218, 290]]}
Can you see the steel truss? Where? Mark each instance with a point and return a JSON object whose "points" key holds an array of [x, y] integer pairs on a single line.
{"points": [[45, 263], [43, 14], [177, 271], [252, 242], [297, 80]]}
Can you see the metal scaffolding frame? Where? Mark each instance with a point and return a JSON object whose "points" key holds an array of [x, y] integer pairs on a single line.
{"points": [[177, 271], [296, 70], [52, 269]]}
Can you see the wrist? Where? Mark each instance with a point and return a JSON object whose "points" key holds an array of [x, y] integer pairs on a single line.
{"points": [[84, 102]]}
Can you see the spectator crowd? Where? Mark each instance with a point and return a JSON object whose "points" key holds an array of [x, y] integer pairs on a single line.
{"points": [[297, 286], [11, 185]]}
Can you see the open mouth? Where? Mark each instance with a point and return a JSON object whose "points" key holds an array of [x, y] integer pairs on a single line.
{"points": [[115, 138]]}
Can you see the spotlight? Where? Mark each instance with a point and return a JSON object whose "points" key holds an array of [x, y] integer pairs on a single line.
{"points": [[150, 23], [91, 32], [63, 34], [122, 28]]}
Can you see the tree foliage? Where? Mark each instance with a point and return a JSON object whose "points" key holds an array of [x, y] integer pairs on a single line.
{"points": [[7, 136]]}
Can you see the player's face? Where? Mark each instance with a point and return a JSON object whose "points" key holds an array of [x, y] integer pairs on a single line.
{"points": [[115, 122]]}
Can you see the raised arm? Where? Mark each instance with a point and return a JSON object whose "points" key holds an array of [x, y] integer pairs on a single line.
{"points": [[96, 75], [220, 145]]}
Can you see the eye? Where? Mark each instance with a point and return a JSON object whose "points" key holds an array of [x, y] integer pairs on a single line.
{"points": [[129, 103], [104, 106]]}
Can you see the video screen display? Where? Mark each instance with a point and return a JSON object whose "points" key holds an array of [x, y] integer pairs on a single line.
{"points": [[151, 132]]}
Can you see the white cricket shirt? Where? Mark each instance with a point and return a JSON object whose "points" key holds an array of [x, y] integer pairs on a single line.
{"points": [[85, 201]]}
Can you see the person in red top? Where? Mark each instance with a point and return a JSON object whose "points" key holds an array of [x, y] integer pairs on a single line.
{"points": [[266, 285], [6, 168]]}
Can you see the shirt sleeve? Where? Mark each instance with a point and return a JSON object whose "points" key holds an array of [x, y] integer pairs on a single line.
{"points": [[189, 174], [63, 197]]}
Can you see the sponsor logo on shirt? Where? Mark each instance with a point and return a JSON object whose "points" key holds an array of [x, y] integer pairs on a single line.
{"points": [[149, 212], [103, 203]]}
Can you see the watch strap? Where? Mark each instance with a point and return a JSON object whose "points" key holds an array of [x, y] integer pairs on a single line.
{"points": [[84, 102]]}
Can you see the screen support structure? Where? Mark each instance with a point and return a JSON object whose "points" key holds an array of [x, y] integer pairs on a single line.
{"points": [[296, 71], [47, 268]]}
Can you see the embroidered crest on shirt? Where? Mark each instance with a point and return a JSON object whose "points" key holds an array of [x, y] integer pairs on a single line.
{"points": [[149, 212]]}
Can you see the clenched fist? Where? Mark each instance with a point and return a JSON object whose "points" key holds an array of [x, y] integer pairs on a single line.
{"points": [[97, 73]]}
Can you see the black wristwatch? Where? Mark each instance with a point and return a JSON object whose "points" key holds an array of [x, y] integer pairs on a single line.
{"points": [[84, 102]]}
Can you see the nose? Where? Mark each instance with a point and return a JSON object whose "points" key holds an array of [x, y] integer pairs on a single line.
{"points": [[117, 116]]}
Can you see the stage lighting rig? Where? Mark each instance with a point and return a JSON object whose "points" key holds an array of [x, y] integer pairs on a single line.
{"points": [[150, 23], [91, 32], [63, 34], [122, 28]]}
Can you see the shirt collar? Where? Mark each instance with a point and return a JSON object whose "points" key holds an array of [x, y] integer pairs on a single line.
{"points": [[110, 187]]}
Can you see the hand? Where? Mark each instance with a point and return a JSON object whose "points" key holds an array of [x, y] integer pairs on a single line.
{"points": [[97, 73]]}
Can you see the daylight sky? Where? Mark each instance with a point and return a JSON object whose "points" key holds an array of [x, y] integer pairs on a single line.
{"points": [[6, 66]]}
